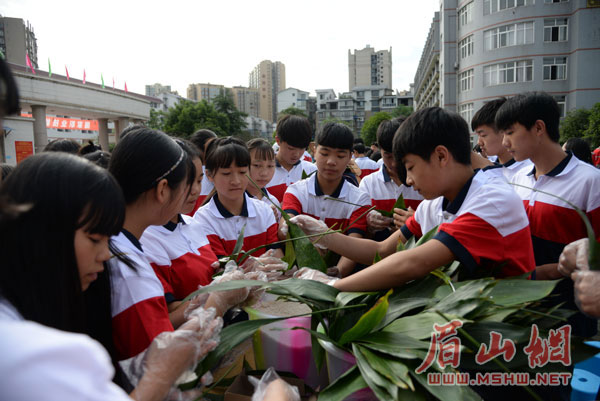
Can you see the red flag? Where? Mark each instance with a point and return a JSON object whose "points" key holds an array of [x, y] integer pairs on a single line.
{"points": [[28, 60], [84, 76], [125, 86], [67, 71]]}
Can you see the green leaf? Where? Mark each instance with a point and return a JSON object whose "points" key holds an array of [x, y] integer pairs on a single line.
{"points": [[409, 244], [383, 388], [306, 253], [447, 393], [240, 242], [514, 292], [439, 273], [398, 308], [427, 236], [377, 258], [343, 386], [393, 370], [368, 321], [290, 254], [418, 326], [399, 203], [305, 288], [344, 298]]}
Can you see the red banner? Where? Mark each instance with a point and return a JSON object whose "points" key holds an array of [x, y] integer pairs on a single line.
{"points": [[68, 123], [23, 149]]}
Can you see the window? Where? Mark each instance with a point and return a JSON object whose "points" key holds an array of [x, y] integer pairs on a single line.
{"points": [[374, 93], [466, 46], [555, 29], [508, 35], [465, 14], [562, 103], [555, 68], [466, 80], [555, 1], [493, 6], [506, 73], [466, 111]]}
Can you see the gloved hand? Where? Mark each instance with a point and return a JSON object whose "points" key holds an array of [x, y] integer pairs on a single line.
{"points": [[401, 215], [306, 273], [172, 353], [574, 257], [256, 292], [266, 263], [283, 230], [312, 226], [272, 388], [377, 222], [587, 296]]}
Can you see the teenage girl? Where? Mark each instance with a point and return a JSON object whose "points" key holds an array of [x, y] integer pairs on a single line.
{"points": [[262, 169], [202, 139], [155, 175], [231, 210]]}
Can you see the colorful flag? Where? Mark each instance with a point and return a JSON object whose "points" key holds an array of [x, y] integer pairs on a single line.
{"points": [[84, 76], [102, 78], [49, 68], [28, 60], [67, 71], [125, 86]]}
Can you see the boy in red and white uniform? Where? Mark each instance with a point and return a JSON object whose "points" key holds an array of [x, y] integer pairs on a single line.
{"points": [[366, 165], [293, 136]]}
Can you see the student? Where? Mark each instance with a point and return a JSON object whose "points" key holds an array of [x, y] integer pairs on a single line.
{"points": [[262, 169], [384, 186], [311, 196], [482, 222], [65, 209], [366, 165], [580, 149], [179, 251], [230, 210], [293, 136], [63, 145], [530, 123], [155, 175], [490, 140], [201, 139]]}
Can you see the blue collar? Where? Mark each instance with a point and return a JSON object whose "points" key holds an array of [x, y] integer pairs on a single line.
{"points": [[452, 207], [279, 165], [132, 239], [386, 176], [559, 167], [263, 190], [172, 226], [226, 213], [509, 163], [335, 194]]}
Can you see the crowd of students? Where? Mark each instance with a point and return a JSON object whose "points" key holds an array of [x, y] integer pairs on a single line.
{"points": [[108, 248]]}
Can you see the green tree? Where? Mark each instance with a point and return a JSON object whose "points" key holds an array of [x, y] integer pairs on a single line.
{"points": [[156, 119], [574, 124], [224, 103], [592, 133], [187, 117], [369, 129], [402, 110], [294, 111]]}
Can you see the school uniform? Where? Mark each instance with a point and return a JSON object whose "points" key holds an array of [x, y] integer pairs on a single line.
{"points": [[485, 226], [206, 187], [282, 178], [511, 167], [139, 309], [366, 165], [223, 229], [307, 157], [180, 255], [307, 197], [41, 363], [554, 223], [269, 199]]}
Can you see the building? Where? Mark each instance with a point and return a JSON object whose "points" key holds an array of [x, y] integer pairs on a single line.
{"points": [[246, 100], [16, 40], [206, 92], [292, 97], [506, 47], [406, 97], [169, 100], [257, 127], [157, 89], [269, 78], [370, 67]]}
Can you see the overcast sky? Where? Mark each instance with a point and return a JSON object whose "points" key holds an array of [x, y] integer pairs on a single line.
{"points": [[182, 42]]}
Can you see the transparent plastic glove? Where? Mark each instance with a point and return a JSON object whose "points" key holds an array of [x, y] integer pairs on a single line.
{"points": [[255, 292], [266, 263], [306, 273], [587, 296], [574, 257], [283, 230], [215, 265], [312, 226], [271, 388], [225, 300], [401, 215], [173, 353], [377, 222]]}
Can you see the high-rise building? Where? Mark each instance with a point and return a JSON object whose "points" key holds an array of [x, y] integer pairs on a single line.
{"points": [[269, 78], [206, 92], [157, 89], [246, 100], [494, 48], [370, 67], [16, 40]]}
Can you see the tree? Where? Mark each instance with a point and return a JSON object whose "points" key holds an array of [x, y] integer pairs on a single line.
{"points": [[574, 124], [293, 111], [187, 117], [369, 129], [156, 119], [592, 133], [224, 103], [402, 110]]}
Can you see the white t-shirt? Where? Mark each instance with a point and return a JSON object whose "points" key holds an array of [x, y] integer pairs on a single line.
{"points": [[41, 363]]}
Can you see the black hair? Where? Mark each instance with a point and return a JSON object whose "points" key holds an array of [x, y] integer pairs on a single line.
{"points": [[189, 148], [9, 93], [88, 148], [376, 144], [145, 156], [375, 156], [130, 128], [63, 145], [99, 157], [335, 135], [5, 170], [264, 150], [428, 128], [386, 131], [360, 148], [580, 148], [526, 109], [294, 130], [359, 140], [487, 114], [199, 139], [226, 151], [39, 273]]}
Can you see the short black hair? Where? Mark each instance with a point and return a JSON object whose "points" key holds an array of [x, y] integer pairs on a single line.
{"points": [[360, 148], [359, 140], [386, 131], [526, 109], [580, 148], [200, 138], [375, 156], [63, 145], [428, 128], [99, 158], [487, 114], [335, 135], [227, 150], [294, 130]]}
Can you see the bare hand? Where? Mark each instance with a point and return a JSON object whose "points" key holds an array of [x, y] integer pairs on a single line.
{"points": [[401, 215]]}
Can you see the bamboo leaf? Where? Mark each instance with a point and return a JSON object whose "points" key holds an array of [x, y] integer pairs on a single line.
{"points": [[514, 292], [446, 393], [306, 289], [290, 254], [343, 386], [399, 203], [439, 273], [377, 258], [344, 298], [306, 253], [393, 370], [418, 326], [240, 242], [383, 388], [397, 309], [427, 236], [368, 321]]}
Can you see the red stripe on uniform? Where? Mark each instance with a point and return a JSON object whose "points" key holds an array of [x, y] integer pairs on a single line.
{"points": [[414, 226], [190, 271], [290, 202], [278, 191], [554, 223], [366, 172], [162, 273]]}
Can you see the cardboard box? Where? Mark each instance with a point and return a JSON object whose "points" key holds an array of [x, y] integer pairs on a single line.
{"points": [[241, 389]]}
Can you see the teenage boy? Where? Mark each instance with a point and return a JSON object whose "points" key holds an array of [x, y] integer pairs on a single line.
{"points": [[529, 123], [312, 196], [384, 186], [366, 165], [490, 140], [293, 136], [482, 222]]}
